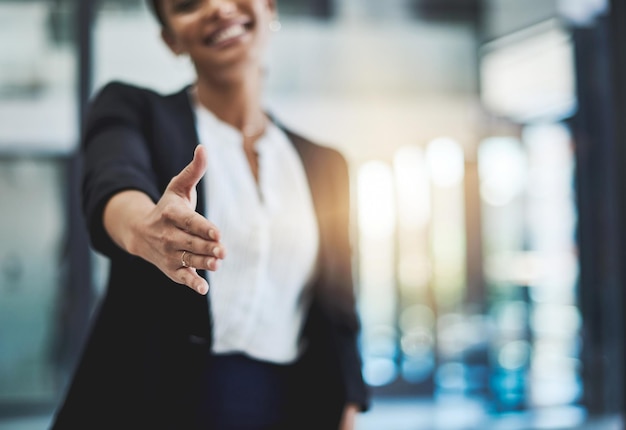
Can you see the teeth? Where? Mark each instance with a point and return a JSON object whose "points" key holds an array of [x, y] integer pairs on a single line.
{"points": [[228, 33]]}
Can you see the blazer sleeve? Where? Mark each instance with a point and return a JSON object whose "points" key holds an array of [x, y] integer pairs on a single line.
{"points": [[337, 293], [341, 296], [333, 321], [115, 156]]}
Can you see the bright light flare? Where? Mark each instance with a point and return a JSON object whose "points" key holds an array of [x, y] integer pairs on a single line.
{"points": [[376, 202]]}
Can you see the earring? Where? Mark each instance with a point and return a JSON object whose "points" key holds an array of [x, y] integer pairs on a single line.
{"points": [[275, 25]]}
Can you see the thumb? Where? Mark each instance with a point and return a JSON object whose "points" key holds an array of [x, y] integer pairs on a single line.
{"points": [[188, 178]]}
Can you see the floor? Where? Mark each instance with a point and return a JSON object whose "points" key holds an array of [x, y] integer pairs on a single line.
{"points": [[411, 414], [463, 414]]}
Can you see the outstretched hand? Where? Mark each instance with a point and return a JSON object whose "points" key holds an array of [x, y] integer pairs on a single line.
{"points": [[171, 234]]}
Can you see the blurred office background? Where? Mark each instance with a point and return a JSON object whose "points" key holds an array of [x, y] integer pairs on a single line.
{"points": [[486, 145]]}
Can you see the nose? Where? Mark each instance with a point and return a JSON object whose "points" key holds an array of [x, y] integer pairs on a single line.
{"points": [[227, 7], [219, 8]]}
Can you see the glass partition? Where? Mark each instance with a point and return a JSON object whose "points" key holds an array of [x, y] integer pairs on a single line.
{"points": [[38, 104], [38, 135], [33, 268]]}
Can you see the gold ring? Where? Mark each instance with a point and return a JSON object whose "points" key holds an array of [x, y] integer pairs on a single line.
{"points": [[182, 259]]}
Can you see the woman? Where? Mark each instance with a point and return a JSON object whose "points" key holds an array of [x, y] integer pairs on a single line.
{"points": [[230, 302]]}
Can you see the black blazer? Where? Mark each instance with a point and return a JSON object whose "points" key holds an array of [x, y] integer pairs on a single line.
{"points": [[150, 338]]}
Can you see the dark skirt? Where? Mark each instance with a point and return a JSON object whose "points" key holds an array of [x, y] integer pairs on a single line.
{"points": [[242, 393]]}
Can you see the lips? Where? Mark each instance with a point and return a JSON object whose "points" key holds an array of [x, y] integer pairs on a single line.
{"points": [[226, 34]]}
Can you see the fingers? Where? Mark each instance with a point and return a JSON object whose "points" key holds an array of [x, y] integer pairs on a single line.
{"points": [[190, 278], [184, 272], [191, 222], [187, 259], [198, 237], [199, 261], [188, 178], [197, 245]]}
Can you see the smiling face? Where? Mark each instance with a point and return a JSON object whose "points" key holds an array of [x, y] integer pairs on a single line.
{"points": [[217, 34]]}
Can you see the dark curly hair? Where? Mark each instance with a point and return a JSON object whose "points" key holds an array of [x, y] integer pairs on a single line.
{"points": [[155, 7]]}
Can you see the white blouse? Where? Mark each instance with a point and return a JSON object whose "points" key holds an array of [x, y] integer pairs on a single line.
{"points": [[270, 234]]}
